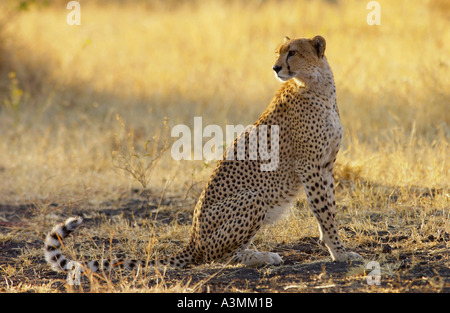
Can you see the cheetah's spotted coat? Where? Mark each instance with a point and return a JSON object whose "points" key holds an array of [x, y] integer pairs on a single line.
{"points": [[239, 197]]}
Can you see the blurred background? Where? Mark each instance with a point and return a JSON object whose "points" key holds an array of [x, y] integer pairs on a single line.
{"points": [[83, 107]]}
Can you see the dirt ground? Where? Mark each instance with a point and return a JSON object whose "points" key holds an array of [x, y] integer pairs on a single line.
{"points": [[306, 268]]}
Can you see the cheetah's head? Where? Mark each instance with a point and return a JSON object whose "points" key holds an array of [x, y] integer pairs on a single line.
{"points": [[301, 59]]}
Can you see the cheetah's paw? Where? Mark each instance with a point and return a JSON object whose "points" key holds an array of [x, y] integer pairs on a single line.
{"points": [[256, 258], [349, 256], [273, 258]]}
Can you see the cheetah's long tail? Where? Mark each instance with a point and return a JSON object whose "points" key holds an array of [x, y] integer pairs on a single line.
{"points": [[60, 263]]}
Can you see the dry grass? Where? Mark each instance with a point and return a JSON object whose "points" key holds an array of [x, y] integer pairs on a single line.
{"points": [[62, 87]]}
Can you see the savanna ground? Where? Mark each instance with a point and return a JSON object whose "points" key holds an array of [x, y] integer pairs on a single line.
{"points": [[85, 119]]}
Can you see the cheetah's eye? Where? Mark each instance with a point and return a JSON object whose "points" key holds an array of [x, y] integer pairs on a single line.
{"points": [[292, 53]]}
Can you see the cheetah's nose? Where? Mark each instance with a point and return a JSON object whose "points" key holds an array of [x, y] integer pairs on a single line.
{"points": [[276, 68]]}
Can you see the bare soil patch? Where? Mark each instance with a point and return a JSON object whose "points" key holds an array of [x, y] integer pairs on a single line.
{"points": [[306, 268]]}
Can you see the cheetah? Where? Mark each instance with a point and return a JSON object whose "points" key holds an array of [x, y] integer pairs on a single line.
{"points": [[239, 197]]}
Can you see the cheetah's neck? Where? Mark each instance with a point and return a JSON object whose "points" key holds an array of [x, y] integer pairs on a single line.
{"points": [[320, 80]]}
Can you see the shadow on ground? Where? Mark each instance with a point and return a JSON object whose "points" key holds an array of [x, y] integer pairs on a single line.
{"points": [[306, 267]]}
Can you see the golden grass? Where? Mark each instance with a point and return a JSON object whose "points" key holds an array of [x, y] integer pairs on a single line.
{"points": [[61, 88]]}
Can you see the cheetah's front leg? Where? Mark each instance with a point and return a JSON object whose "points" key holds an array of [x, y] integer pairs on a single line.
{"points": [[319, 187]]}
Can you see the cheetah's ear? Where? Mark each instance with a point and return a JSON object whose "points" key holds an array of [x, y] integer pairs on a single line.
{"points": [[286, 38], [319, 45]]}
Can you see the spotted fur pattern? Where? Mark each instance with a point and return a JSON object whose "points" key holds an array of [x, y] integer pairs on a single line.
{"points": [[239, 197]]}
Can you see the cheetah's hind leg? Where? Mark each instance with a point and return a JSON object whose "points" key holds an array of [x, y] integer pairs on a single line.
{"points": [[230, 226]]}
